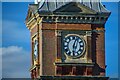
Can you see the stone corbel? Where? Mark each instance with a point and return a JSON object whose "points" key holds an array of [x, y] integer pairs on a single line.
{"points": [[58, 33], [88, 33], [98, 31]]}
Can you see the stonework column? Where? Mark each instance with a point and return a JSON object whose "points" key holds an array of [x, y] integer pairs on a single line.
{"points": [[89, 43], [58, 56]]}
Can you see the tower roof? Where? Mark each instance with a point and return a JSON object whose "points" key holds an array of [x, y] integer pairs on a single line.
{"points": [[48, 6], [91, 11]]}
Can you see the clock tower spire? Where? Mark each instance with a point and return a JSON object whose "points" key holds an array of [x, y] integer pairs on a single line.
{"points": [[68, 40]]}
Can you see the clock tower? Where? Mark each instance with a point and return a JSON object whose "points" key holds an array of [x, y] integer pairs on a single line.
{"points": [[67, 40]]}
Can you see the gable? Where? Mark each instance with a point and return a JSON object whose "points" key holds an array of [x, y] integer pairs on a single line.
{"points": [[75, 7], [31, 11], [29, 15]]}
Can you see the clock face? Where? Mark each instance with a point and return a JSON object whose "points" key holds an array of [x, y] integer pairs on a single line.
{"points": [[74, 46], [35, 49]]}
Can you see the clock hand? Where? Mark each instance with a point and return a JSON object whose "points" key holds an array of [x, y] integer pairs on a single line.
{"points": [[75, 45]]}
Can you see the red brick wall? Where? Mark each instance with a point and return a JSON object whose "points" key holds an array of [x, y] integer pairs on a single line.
{"points": [[63, 26], [99, 50], [48, 51]]}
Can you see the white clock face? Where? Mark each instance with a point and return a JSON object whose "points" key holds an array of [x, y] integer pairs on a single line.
{"points": [[74, 46], [35, 49]]}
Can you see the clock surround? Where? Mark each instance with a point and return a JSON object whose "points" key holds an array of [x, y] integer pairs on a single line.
{"points": [[74, 45]]}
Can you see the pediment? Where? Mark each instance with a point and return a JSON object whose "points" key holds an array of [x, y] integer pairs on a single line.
{"points": [[74, 7], [31, 11], [29, 15]]}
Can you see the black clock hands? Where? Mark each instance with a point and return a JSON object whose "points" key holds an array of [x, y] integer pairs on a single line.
{"points": [[75, 45]]}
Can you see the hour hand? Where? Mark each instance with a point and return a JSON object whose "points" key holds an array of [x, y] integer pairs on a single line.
{"points": [[74, 46]]}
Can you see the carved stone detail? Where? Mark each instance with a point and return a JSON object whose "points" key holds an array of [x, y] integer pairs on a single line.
{"points": [[58, 32], [88, 33]]}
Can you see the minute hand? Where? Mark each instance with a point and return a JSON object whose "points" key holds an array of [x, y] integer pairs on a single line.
{"points": [[75, 45]]}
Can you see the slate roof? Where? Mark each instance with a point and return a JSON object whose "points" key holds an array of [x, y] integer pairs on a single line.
{"points": [[47, 6], [69, 12]]}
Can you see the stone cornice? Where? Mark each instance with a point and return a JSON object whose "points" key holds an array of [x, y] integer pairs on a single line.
{"points": [[82, 18], [33, 21], [62, 18]]}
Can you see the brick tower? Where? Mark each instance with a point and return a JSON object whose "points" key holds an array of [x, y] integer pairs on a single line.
{"points": [[67, 40]]}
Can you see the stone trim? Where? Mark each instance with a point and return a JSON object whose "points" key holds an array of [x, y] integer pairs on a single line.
{"points": [[58, 33], [73, 78], [90, 19], [34, 66], [75, 64]]}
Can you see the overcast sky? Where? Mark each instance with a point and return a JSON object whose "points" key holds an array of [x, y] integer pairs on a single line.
{"points": [[16, 41]]}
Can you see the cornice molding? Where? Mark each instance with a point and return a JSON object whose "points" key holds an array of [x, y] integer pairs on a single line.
{"points": [[86, 18], [70, 19]]}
